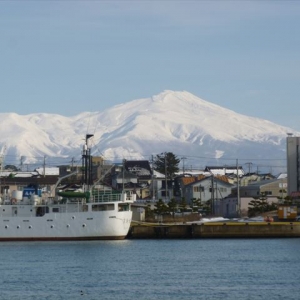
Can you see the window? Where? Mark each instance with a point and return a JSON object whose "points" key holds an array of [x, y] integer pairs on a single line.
{"points": [[41, 210], [198, 188], [55, 209], [123, 207], [103, 207]]}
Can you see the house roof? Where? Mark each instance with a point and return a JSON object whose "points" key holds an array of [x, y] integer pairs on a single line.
{"points": [[126, 175], [51, 179], [282, 175], [263, 182], [203, 178], [189, 180], [224, 170], [139, 167], [158, 174]]}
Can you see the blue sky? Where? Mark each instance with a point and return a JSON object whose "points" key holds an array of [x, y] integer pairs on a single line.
{"points": [[67, 57]]}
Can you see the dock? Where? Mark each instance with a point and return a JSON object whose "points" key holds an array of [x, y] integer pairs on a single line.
{"points": [[214, 230]]}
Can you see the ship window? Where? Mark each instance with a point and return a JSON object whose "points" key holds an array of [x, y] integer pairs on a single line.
{"points": [[103, 207], [123, 207], [85, 208], [41, 210], [55, 209]]}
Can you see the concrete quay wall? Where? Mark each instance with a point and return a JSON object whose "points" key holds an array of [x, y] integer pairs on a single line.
{"points": [[215, 230]]}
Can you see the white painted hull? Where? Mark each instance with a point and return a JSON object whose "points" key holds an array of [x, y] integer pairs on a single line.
{"points": [[89, 225]]}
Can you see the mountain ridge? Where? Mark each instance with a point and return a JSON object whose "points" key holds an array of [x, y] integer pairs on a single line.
{"points": [[172, 121]]}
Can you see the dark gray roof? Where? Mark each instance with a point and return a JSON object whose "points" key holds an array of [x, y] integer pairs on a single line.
{"points": [[139, 167]]}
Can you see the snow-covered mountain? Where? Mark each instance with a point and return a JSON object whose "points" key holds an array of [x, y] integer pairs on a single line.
{"points": [[177, 122]]}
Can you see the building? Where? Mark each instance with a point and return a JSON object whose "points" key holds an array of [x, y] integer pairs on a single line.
{"points": [[9, 185], [274, 190], [133, 176], [205, 188], [293, 163]]}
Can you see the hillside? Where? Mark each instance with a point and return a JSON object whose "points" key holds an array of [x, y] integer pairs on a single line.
{"points": [[178, 122]]}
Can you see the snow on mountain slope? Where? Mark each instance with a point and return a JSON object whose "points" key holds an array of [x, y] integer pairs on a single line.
{"points": [[171, 121]]}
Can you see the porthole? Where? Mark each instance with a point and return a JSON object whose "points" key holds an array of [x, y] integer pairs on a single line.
{"points": [[52, 226], [18, 226], [29, 226], [73, 217], [6, 226], [68, 225], [83, 225]]}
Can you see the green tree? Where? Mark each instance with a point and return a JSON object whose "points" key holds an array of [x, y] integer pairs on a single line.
{"points": [[166, 163], [160, 207], [207, 207], [260, 205], [253, 208], [172, 206], [196, 204], [149, 212], [288, 200], [183, 204]]}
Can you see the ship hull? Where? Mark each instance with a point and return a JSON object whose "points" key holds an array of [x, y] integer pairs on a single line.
{"points": [[102, 225]]}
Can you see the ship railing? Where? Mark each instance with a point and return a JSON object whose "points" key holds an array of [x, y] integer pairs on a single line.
{"points": [[112, 197]]}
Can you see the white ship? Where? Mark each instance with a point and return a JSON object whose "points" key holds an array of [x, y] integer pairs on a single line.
{"points": [[87, 215]]}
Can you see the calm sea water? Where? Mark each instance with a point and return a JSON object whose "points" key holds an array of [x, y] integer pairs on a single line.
{"points": [[152, 269]]}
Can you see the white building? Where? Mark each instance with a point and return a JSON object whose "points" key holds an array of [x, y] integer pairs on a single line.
{"points": [[293, 163]]}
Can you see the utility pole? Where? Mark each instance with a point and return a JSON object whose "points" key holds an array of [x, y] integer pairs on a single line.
{"points": [[123, 173], [166, 175], [21, 163], [44, 166], [72, 164], [212, 194], [238, 188], [153, 191], [183, 158], [249, 167]]}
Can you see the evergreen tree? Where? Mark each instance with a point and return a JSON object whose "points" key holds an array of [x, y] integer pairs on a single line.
{"points": [[260, 205], [166, 163], [196, 204], [172, 206], [207, 207], [288, 200], [254, 208], [183, 204], [149, 212], [160, 207]]}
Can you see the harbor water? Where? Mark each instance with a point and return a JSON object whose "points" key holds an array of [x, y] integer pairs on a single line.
{"points": [[152, 269]]}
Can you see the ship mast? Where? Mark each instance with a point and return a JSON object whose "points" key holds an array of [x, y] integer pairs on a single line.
{"points": [[87, 179]]}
